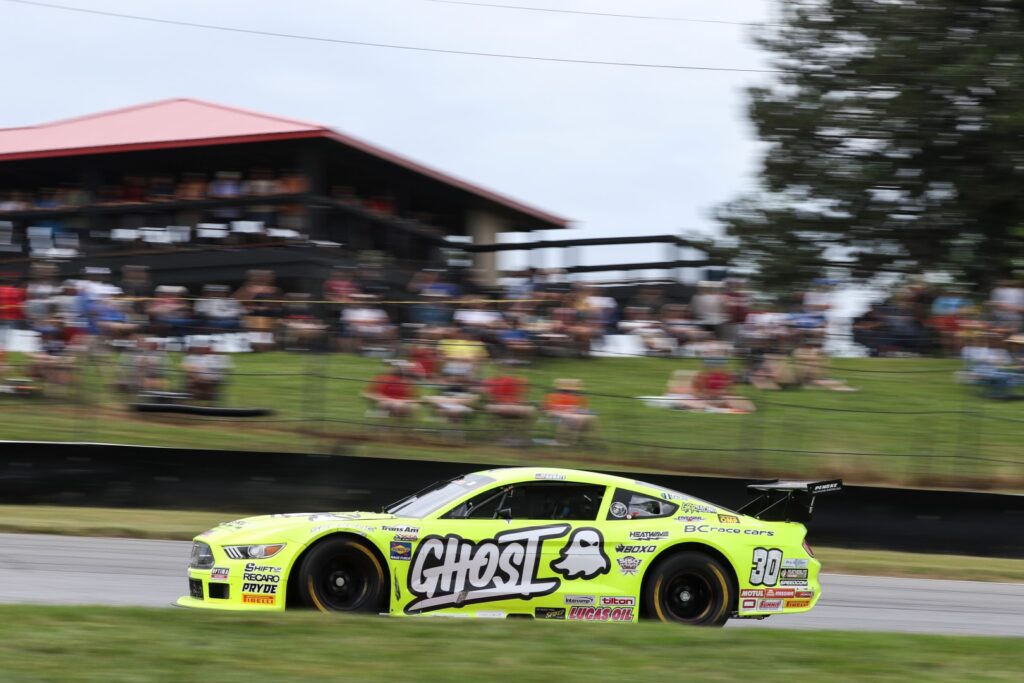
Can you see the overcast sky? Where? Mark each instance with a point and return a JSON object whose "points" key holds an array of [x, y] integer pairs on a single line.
{"points": [[616, 150]]}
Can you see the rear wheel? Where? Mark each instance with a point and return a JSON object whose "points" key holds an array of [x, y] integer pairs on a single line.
{"points": [[342, 575], [689, 588]]}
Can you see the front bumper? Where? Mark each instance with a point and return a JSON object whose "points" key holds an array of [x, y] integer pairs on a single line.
{"points": [[255, 590]]}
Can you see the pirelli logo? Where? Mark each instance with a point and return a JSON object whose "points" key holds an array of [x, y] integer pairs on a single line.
{"points": [[254, 599]]}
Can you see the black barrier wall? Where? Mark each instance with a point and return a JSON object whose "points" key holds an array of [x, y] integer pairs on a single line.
{"points": [[96, 475]]}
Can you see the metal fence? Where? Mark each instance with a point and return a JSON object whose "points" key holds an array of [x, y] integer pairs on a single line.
{"points": [[906, 425]]}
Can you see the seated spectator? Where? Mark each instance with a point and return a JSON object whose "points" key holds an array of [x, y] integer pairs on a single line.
{"points": [[217, 311], [368, 326], [169, 312], [461, 353], [568, 408], [53, 364], [712, 387], [507, 397], [455, 400], [12, 306], [303, 330], [812, 367], [639, 321], [393, 393], [515, 342], [205, 371], [260, 296], [679, 326], [143, 367], [424, 358], [192, 187], [681, 391]]}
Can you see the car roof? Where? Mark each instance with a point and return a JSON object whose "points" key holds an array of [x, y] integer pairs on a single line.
{"points": [[517, 474]]}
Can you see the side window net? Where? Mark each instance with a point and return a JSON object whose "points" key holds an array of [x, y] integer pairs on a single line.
{"points": [[632, 505]]}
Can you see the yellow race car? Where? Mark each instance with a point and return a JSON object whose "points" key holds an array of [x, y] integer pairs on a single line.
{"points": [[537, 543]]}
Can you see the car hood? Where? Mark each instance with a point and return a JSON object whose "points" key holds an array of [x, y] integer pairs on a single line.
{"points": [[290, 526]]}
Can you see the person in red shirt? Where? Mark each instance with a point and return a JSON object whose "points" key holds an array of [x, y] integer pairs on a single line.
{"points": [[506, 397], [393, 393], [711, 387], [568, 407], [12, 306]]}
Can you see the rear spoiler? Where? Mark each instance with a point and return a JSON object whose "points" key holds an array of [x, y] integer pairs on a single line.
{"points": [[787, 501]]}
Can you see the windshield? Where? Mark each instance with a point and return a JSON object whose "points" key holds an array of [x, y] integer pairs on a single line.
{"points": [[435, 497]]}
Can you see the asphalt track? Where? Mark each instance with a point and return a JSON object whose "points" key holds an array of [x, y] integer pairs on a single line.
{"points": [[111, 571]]}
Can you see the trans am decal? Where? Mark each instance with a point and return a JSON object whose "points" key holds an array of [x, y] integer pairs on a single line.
{"points": [[451, 571]]}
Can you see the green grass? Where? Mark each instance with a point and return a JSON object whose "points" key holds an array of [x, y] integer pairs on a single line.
{"points": [[73, 645], [184, 525], [909, 424]]}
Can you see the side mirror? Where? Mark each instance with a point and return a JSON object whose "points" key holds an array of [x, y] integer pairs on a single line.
{"points": [[503, 513]]}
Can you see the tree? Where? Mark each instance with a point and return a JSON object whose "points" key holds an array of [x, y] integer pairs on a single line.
{"points": [[895, 141]]}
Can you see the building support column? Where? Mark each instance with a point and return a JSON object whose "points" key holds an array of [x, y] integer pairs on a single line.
{"points": [[483, 227]]}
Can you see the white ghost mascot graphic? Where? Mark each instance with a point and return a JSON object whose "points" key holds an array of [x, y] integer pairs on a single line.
{"points": [[583, 556]]}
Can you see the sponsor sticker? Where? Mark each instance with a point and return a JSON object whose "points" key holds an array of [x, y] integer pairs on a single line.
{"points": [[401, 529], [689, 518], [628, 565], [450, 571], [749, 603], [794, 604], [766, 593], [253, 599], [688, 508], [618, 601], [401, 550], [618, 510], [795, 563], [648, 535], [219, 573], [728, 519], [579, 600], [772, 605], [549, 476], [794, 574], [490, 614], [600, 614], [803, 594], [549, 613], [752, 593], [625, 548]]}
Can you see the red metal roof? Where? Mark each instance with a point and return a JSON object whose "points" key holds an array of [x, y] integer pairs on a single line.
{"points": [[192, 123]]}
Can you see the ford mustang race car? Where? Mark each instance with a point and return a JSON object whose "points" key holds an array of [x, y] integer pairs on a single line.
{"points": [[540, 543]]}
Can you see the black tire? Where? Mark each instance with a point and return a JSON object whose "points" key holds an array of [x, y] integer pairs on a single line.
{"points": [[342, 575], [689, 588]]}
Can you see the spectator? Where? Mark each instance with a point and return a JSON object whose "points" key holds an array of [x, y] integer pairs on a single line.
{"points": [[216, 311], [12, 306], [712, 388], [205, 371], [709, 307], [568, 408], [144, 367], [393, 393], [368, 326], [461, 353], [506, 397], [260, 297], [303, 331], [169, 312]]}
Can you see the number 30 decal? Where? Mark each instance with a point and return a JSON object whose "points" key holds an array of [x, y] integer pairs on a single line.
{"points": [[765, 570]]}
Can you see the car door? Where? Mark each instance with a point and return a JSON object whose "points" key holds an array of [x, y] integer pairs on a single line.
{"points": [[510, 550], [637, 525]]}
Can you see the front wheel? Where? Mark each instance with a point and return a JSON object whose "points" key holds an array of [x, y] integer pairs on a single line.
{"points": [[342, 575], [689, 588]]}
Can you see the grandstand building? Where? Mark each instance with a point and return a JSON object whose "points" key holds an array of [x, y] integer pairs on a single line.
{"points": [[184, 186]]}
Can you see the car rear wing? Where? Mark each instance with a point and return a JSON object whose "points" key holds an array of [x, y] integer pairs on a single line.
{"points": [[787, 501]]}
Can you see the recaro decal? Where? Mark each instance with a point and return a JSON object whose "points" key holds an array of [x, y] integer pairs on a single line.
{"points": [[448, 570], [583, 556]]}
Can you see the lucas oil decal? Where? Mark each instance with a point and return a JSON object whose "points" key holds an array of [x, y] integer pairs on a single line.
{"points": [[450, 571]]}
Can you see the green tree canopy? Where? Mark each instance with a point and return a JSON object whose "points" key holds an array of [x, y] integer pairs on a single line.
{"points": [[894, 141]]}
